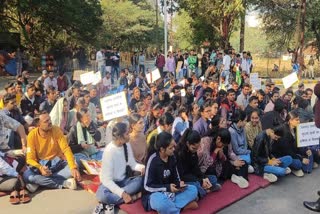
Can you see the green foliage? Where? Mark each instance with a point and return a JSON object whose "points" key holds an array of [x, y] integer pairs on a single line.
{"points": [[183, 35]]}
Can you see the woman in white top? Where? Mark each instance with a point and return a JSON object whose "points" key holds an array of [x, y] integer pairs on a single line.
{"points": [[116, 185]]}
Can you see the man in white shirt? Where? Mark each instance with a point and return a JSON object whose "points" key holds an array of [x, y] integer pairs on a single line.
{"points": [[226, 67], [100, 59], [245, 63], [50, 81]]}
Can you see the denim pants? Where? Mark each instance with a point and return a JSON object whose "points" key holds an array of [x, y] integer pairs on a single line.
{"points": [[53, 181], [81, 156], [225, 74], [297, 164], [129, 185], [202, 192], [115, 72], [246, 158], [161, 203], [281, 169], [102, 70]]}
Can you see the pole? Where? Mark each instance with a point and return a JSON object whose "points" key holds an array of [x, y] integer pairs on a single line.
{"points": [[157, 25], [165, 28]]}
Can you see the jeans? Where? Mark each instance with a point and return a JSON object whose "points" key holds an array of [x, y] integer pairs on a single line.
{"points": [[81, 156], [246, 158], [142, 68], [54, 181], [161, 203], [281, 169], [102, 70], [115, 72], [226, 74], [308, 167], [129, 185], [202, 192]]}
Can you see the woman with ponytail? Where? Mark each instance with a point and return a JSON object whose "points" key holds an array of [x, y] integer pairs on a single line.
{"points": [[188, 164], [163, 191]]}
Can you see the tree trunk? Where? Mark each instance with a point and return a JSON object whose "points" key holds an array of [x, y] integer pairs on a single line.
{"points": [[242, 27]]}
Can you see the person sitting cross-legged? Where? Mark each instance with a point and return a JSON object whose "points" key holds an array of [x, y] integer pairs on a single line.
{"points": [[50, 159]]}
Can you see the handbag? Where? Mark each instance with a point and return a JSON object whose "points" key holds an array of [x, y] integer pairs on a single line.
{"points": [[129, 172]]}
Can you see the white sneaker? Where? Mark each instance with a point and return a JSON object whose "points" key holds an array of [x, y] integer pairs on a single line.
{"points": [[288, 171], [298, 173], [70, 183], [240, 181], [315, 165], [270, 177], [250, 169], [32, 187]]}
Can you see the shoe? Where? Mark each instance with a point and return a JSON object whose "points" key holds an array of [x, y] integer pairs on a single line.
{"points": [[240, 181], [315, 165], [298, 173], [32, 187], [250, 169], [314, 206], [270, 177], [191, 206], [99, 209], [216, 188], [288, 171], [70, 183]]}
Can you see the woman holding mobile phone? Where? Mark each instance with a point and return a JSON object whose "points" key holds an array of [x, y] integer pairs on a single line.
{"points": [[163, 191]]}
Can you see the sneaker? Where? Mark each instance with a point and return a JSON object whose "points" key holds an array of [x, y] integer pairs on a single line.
{"points": [[32, 187], [70, 183], [240, 181], [109, 209], [99, 209], [315, 165], [288, 171], [270, 177], [216, 188], [250, 169], [298, 173]]}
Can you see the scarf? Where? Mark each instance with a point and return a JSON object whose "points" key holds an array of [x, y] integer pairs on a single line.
{"points": [[90, 141], [31, 100]]}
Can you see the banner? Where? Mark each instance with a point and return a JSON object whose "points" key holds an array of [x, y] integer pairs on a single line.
{"points": [[153, 76], [307, 134], [255, 81], [114, 106], [289, 80], [77, 73]]}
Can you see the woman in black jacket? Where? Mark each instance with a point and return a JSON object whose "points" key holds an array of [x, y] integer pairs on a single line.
{"points": [[163, 191], [188, 164], [287, 145], [264, 163]]}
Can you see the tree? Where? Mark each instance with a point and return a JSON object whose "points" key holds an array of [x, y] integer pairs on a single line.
{"points": [[219, 15], [42, 23]]}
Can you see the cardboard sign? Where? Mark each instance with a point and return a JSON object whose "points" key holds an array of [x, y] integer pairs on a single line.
{"points": [[153, 76], [77, 73], [289, 80], [307, 134], [255, 81], [97, 78], [92, 167], [87, 78], [114, 106], [183, 92]]}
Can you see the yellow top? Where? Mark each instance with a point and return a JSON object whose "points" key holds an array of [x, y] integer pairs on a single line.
{"points": [[18, 101], [54, 145]]}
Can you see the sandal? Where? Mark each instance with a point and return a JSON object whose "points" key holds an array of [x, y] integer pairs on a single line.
{"points": [[24, 196], [14, 198]]}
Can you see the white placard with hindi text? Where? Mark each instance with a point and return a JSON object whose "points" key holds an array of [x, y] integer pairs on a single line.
{"points": [[289, 80], [307, 134], [255, 81], [114, 106], [153, 76], [97, 78], [87, 78]]}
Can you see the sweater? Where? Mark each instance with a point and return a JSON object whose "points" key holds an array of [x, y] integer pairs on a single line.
{"points": [[238, 140], [114, 167], [252, 132], [139, 146], [159, 175], [53, 145]]}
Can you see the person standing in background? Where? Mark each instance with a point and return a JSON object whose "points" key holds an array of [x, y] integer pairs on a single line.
{"points": [[141, 60], [100, 59]]}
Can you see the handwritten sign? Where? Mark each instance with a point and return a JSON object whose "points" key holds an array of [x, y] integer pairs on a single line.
{"points": [[87, 78], [255, 81], [114, 106], [153, 76], [77, 73], [289, 80], [97, 78], [307, 134]]}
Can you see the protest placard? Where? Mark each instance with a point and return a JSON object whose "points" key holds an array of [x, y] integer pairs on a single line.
{"points": [[87, 78], [255, 81], [114, 106], [307, 134], [153, 76], [92, 167], [179, 66], [97, 78], [77, 73], [289, 80]]}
